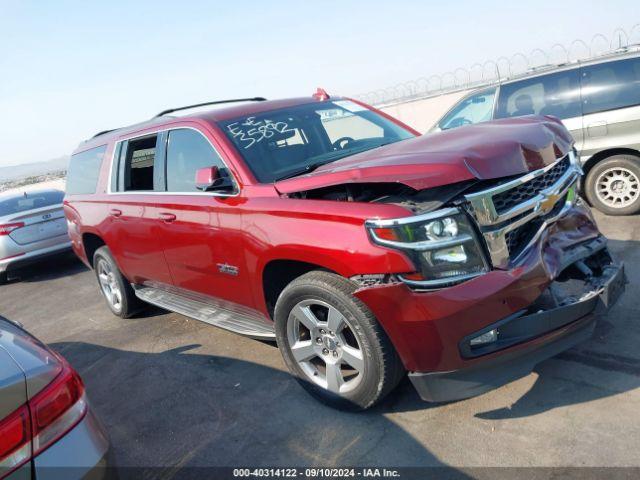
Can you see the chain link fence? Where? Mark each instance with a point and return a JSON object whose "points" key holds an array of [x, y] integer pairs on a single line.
{"points": [[491, 71]]}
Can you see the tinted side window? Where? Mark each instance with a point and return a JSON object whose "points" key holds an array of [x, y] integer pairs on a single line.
{"points": [[611, 85], [475, 109], [139, 164], [556, 94], [84, 169], [188, 151]]}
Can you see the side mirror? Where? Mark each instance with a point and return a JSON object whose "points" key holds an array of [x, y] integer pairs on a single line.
{"points": [[212, 178]]}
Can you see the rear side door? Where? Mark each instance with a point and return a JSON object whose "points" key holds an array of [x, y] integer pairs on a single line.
{"points": [[201, 231], [134, 231], [611, 105], [556, 94]]}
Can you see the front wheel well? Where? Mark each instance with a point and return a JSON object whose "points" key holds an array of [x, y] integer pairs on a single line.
{"points": [[277, 274], [91, 242]]}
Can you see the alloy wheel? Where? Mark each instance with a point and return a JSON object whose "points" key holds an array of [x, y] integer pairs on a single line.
{"points": [[109, 284], [325, 346], [617, 187]]}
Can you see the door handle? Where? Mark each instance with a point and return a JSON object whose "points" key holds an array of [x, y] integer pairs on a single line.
{"points": [[167, 217], [114, 212]]}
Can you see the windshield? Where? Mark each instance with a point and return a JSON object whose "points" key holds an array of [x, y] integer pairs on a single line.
{"points": [[291, 141], [29, 201]]}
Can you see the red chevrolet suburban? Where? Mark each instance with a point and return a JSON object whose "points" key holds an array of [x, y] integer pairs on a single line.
{"points": [[365, 250]]}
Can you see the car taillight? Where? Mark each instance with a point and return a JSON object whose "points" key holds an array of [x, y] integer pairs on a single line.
{"points": [[15, 440], [49, 415], [57, 408], [7, 228]]}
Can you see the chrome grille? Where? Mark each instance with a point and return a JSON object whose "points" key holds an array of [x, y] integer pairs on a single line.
{"points": [[511, 215], [518, 238], [507, 200]]}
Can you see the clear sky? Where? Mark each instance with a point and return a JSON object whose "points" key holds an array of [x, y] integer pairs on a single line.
{"points": [[71, 68]]}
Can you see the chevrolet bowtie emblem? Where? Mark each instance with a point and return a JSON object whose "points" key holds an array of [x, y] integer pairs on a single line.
{"points": [[550, 199]]}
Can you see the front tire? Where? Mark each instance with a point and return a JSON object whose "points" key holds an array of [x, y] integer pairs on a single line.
{"points": [[117, 291], [333, 344], [613, 185]]}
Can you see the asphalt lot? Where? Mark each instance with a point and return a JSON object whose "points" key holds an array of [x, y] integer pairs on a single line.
{"points": [[175, 392]]}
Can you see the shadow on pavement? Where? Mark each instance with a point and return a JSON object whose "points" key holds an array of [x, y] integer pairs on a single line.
{"points": [[63, 265], [182, 409]]}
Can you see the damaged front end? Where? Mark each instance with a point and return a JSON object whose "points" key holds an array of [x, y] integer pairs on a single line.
{"points": [[506, 277], [561, 317], [589, 282]]}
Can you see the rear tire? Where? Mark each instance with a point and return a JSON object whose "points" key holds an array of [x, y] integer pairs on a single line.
{"points": [[3, 278], [115, 288], [333, 344], [613, 185]]}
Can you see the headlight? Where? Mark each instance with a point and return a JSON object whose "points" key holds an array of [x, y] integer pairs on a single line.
{"points": [[442, 245]]}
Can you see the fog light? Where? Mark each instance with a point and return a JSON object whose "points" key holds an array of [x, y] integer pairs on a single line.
{"points": [[488, 337]]}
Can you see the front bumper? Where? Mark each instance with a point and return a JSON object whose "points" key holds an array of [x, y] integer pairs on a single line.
{"points": [[562, 328], [431, 330]]}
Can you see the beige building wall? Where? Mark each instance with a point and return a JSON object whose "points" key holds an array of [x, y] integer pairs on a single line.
{"points": [[423, 114]]}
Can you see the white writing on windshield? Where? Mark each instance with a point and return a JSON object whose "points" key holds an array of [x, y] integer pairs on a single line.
{"points": [[251, 131]]}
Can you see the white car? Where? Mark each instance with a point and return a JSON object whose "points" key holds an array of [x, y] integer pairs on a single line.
{"points": [[32, 226]]}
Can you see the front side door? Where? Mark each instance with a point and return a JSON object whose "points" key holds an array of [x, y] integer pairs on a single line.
{"points": [[556, 94], [201, 231], [611, 105], [133, 233]]}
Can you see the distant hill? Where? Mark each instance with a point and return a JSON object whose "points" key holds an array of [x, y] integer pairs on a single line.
{"points": [[15, 172]]}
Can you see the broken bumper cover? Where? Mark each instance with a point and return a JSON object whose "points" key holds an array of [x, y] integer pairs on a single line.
{"points": [[543, 305], [569, 322]]}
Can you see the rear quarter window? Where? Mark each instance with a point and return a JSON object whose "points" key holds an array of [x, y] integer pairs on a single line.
{"points": [[84, 169]]}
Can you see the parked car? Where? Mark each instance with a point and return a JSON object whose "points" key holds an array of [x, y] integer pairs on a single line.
{"points": [[47, 428], [32, 227], [363, 248], [598, 101]]}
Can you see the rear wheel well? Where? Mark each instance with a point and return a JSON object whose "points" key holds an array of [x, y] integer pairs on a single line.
{"points": [[277, 274], [594, 159], [91, 242]]}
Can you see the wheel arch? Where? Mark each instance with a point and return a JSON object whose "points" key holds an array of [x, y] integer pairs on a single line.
{"points": [[278, 273], [90, 243], [604, 154]]}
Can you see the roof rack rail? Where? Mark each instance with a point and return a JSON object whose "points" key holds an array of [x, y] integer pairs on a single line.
{"points": [[103, 132], [171, 110]]}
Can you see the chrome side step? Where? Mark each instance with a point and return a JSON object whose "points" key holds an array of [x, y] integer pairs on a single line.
{"points": [[231, 317]]}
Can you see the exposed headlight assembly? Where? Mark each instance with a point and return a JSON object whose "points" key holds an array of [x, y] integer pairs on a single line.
{"points": [[442, 245]]}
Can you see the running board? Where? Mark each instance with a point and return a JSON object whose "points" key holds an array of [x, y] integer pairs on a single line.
{"points": [[224, 315]]}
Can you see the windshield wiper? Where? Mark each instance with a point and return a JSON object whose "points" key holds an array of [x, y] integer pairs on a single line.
{"points": [[330, 157], [308, 168]]}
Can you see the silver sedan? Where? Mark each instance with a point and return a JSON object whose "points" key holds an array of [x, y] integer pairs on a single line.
{"points": [[32, 226], [47, 428]]}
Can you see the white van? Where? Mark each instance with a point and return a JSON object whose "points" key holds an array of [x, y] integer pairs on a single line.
{"points": [[598, 101]]}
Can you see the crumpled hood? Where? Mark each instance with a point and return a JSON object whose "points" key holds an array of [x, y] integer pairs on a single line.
{"points": [[496, 149]]}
